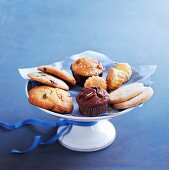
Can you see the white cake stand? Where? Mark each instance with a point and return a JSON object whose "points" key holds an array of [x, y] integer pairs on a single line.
{"points": [[103, 133], [86, 138]]}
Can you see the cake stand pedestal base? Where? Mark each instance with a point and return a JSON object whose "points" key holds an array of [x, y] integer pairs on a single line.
{"points": [[90, 138]]}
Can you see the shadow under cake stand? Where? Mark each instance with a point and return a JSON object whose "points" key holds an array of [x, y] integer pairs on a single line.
{"points": [[85, 138]]}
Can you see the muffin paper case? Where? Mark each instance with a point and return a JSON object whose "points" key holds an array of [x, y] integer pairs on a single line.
{"points": [[78, 132], [92, 101], [82, 79]]}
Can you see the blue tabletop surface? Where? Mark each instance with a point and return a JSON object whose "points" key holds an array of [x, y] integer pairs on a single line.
{"points": [[40, 32]]}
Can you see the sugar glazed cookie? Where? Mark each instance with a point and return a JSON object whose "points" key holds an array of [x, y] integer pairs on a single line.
{"points": [[142, 97], [96, 81], [49, 80], [50, 98], [58, 73], [125, 93]]}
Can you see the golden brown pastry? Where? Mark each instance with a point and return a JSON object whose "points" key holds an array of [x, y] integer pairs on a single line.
{"points": [[62, 74], [50, 98], [118, 75], [96, 81], [126, 68], [85, 67], [115, 78], [48, 80]]}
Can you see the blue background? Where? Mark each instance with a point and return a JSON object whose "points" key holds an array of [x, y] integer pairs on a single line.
{"points": [[41, 32]]}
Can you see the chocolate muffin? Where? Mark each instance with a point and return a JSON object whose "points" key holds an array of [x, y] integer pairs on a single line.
{"points": [[92, 101], [86, 67]]}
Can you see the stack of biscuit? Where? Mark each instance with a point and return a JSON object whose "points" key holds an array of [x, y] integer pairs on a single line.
{"points": [[130, 95], [54, 94]]}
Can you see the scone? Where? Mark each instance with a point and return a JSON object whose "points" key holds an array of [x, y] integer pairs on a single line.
{"points": [[58, 73], [96, 81], [48, 80], [92, 101], [85, 67], [50, 98]]}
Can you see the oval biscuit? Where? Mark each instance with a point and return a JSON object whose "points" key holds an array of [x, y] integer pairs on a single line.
{"points": [[142, 97], [125, 93], [58, 73], [48, 79]]}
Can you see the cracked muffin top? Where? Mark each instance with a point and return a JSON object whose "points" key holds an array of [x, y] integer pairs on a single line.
{"points": [[87, 67]]}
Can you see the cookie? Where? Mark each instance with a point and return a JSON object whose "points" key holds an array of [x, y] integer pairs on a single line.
{"points": [[125, 93], [96, 81], [142, 97], [58, 73], [51, 98], [49, 80]]}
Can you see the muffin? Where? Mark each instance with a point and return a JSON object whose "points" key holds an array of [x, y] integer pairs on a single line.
{"points": [[92, 101], [96, 81], [86, 67]]}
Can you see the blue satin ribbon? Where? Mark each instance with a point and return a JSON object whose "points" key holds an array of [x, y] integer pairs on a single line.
{"points": [[38, 139]]}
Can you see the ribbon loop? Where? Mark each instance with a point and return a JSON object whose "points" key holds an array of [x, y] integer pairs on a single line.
{"points": [[38, 139]]}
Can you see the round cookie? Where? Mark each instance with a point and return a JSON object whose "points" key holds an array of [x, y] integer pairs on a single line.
{"points": [[49, 80], [125, 93], [96, 81], [58, 72], [50, 98], [64, 102], [142, 97]]}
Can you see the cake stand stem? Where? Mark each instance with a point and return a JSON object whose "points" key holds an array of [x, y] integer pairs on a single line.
{"points": [[89, 138]]}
